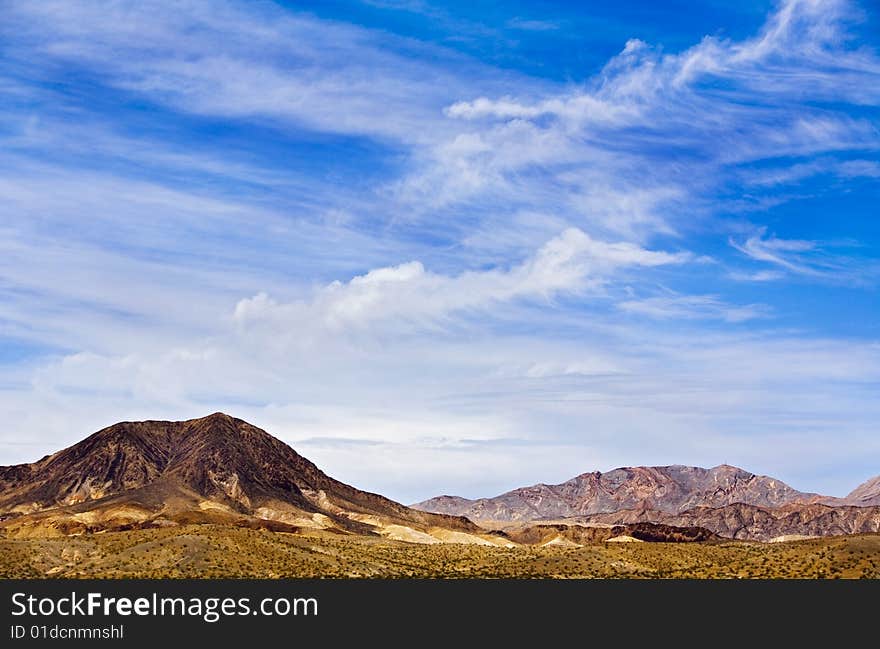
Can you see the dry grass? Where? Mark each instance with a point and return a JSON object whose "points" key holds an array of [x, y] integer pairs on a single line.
{"points": [[218, 551]]}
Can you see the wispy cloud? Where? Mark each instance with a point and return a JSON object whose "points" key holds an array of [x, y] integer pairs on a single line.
{"points": [[200, 57], [758, 276], [803, 257], [634, 149], [795, 173], [531, 25], [693, 307]]}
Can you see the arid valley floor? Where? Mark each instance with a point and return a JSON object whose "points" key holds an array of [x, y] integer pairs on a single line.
{"points": [[221, 551]]}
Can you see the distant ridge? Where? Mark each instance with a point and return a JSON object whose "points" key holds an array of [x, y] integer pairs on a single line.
{"points": [[727, 500], [671, 489], [866, 494]]}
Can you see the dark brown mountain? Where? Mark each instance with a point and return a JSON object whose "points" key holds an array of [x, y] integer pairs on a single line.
{"points": [[569, 533], [670, 489], [213, 469]]}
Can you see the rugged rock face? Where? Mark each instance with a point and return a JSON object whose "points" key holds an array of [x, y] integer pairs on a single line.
{"points": [[748, 522], [216, 468], [576, 534], [866, 494], [670, 489], [730, 502]]}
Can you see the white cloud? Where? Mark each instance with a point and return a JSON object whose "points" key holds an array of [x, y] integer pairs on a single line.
{"points": [[759, 276], [633, 150], [693, 307], [570, 263], [326, 75], [806, 258], [781, 252], [796, 173], [578, 108], [859, 169]]}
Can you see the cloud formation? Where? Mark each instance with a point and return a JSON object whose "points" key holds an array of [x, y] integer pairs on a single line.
{"points": [[573, 262], [692, 307], [806, 258], [636, 149]]}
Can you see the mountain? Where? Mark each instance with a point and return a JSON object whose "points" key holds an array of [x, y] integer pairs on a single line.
{"points": [[222, 470], [668, 489], [725, 500], [214, 469], [569, 535], [753, 523], [866, 494]]}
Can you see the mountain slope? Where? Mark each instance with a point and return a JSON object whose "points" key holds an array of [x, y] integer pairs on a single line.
{"points": [[752, 523], [670, 489], [216, 468], [866, 494]]}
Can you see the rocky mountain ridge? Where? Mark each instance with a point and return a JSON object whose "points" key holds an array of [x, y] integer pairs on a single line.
{"points": [[727, 500]]}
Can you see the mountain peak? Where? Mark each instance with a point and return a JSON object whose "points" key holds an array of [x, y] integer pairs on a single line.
{"points": [[220, 419], [729, 468], [216, 416], [213, 466], [671, 489]]}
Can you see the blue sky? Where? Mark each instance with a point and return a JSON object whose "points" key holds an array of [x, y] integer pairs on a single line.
{"points": [[449, 247]]}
